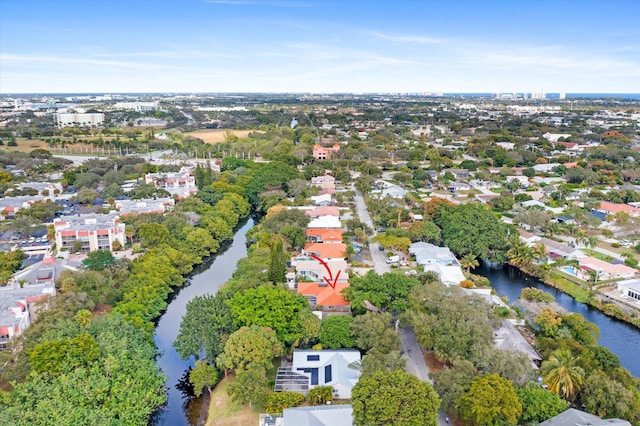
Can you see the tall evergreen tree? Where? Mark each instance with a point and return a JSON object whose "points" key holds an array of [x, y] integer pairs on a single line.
{"points": [[277, 269]]}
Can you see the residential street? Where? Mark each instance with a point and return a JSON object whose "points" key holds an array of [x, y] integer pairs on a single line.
{"points": [[416, 364], [379, 257]]}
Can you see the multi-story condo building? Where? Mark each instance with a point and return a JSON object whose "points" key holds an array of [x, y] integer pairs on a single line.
{"points": [[96, 231], [67, 119]]}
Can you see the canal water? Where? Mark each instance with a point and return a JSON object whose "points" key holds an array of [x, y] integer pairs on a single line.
{"points": [[183, 409], [617, 336]]}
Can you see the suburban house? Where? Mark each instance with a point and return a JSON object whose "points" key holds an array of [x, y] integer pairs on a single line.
{"points": [[630, 289], [439, 260], [326, 183], [573, 417], [311, 270], [537, 204], [556, 250], [95, 231], [319, 180], [323, 295], [322, 200], [323, 415], [325, 222], [555, 137], [607, 207], [327, 251], [322, 211], [528, 238], [325, 236], [322, 153], [603, 270], [336, 368]]}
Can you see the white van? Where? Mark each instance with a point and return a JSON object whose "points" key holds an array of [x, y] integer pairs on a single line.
{"points": [[393, 259]]}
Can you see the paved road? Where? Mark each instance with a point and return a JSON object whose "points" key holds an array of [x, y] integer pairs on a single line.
{"points": [[379, 257], [416, 364]]}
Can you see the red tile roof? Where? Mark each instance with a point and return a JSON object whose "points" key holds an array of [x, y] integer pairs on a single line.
{"points": [[325, 296]]}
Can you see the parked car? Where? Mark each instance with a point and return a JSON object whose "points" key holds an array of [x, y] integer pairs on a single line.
{"points": [[393, 259]]}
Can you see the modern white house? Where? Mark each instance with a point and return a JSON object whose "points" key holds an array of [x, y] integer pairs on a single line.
{"points": [[630, 289], [339, 369]]}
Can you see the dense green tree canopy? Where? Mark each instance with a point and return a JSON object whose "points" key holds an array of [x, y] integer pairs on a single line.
{"points": [[375, 331], [122, 386], [455, 326], [205, 327], [538, 404], [250, 348], [394, 398], [273, 307], [387, 292], [335, 332], [472, 228], [490, 400]]}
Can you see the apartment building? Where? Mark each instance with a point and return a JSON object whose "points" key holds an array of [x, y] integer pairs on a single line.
{"points": [[68, 119], [95, 231]]}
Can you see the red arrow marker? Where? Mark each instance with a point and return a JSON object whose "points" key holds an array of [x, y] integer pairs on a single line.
{"points": [[330, 279]]}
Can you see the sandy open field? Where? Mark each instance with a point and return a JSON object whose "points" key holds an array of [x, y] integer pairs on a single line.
{"points": [[214, 136], [25, 145]]}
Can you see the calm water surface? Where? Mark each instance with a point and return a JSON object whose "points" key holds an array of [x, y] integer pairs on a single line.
{"points": [[617, 336], [205, 279]]}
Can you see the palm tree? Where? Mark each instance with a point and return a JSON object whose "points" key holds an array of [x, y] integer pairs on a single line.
{"points": [[539, 251], [129, 232], [561, 374], [520, 254], [469, 261]]}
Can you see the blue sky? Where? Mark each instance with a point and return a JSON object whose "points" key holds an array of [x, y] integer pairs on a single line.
{"points": [[50, 46]]}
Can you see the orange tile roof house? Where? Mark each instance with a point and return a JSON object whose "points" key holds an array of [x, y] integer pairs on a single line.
{"points": [[323, 294], [327, 251], [323, 211], [613, 208], [324, 235], [606, 270]]}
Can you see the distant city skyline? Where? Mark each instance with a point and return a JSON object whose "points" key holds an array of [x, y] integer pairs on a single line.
{"points": [[318, 46]]}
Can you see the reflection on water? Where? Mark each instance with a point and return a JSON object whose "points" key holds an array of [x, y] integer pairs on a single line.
{"points": [[619, 337], [182, 407]]}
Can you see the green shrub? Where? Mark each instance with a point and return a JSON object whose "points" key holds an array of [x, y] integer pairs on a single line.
{"points": [[536, 295], [277, 401], [320, 395]]}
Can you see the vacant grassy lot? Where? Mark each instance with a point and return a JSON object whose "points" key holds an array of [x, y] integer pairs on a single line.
{"points": [[214, 136], [223, 411], [26, 145]]}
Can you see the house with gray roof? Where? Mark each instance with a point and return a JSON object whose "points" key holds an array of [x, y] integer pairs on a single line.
{"points": [[439, 260], [325, 415], [573, 417]]}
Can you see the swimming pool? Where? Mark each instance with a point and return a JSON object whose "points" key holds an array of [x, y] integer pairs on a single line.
{"points": [[569, 270]]}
